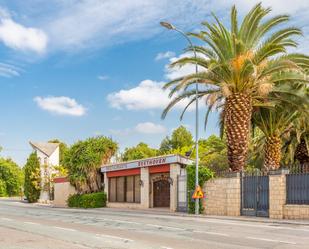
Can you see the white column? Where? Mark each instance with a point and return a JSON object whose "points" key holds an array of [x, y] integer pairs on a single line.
{"points": [[174, 172], [145, 187], [106, 185]]}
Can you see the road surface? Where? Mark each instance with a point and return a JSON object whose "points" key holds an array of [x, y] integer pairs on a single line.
{"points": [[26, 226]]}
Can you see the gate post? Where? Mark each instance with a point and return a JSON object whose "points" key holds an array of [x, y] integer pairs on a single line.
{"points": [[233, 194], [277, 193]]}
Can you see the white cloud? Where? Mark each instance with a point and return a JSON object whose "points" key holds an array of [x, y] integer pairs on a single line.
{"points": [[60, 105], [150, 128], [165, 55], [9, 70], [103, 77], [147, 95], [176, 72], [19, 37]]}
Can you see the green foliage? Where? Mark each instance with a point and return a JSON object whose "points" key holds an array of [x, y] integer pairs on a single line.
{"points": [[84, 159], [181, 138], [94, 200], [32, 184], [212, 153], [139, 151], [204, 174], [11, 176], [3, 191]]}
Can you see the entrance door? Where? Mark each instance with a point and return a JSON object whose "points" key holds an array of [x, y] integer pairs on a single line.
{"points": [[255, 195], [161, 193]]}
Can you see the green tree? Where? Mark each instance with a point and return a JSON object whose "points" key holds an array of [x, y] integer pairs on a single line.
{"points": [[32, 183], [181, 141], [240, 67], [212, 153], [84, 159], [139, 151], [11, 176]]}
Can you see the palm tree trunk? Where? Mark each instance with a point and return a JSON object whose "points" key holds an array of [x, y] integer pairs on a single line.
{"points": [[238, 111], [302, 155], [272, 153]]}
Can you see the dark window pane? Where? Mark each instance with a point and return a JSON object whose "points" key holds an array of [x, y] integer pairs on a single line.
{"points": [[137, 189], [130, 184], [112, 189], [120, 189]]}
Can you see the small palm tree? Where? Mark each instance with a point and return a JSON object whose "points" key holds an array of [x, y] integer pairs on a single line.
{"points": [[296, 144], [240, 66]]}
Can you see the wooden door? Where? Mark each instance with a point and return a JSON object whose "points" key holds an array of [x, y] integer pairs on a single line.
{"points": [[161, 193]]}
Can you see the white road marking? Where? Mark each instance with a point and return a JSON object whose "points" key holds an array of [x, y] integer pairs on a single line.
{"points": [[122, 221], [164, 247], [253, 225], [166, 227], [212, 233], [272, 240], [6, 219], [114, 237], [64, 228], [31, 223]]}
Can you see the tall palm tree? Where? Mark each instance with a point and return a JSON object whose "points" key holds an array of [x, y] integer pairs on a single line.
{"points": [[240, 66]]}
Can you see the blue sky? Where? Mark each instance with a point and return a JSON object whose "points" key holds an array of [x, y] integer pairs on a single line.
{"points": [[74, 69]]}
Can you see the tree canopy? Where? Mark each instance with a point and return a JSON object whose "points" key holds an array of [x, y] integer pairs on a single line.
{"points": [[11, 178], [139, 151]]}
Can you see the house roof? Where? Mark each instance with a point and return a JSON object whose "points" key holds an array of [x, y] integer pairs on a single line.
{"points": [[46, 148]]}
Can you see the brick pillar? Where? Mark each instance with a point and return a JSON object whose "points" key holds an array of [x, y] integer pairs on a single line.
{"points": [[233, 197], [174, 172], [106, 185], [145, 187], [277, 194]]}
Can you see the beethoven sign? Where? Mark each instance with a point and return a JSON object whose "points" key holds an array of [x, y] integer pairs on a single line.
{"points": [[146, 163]]}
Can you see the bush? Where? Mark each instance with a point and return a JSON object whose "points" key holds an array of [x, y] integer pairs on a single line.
{"points": [[94, 200], [204, 175]]}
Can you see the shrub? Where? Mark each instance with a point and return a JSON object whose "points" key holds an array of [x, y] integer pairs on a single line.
{"points": [[204, 175], [94, 200]]}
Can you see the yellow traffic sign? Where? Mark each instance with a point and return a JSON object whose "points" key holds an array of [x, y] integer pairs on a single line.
{"points": [[198, 193]]}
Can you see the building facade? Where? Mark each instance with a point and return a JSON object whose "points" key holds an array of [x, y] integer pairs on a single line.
{"points": [[146, 183], [48, 155]]}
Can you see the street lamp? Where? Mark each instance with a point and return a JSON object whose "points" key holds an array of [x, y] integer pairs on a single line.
{"points": [[172, 27]]}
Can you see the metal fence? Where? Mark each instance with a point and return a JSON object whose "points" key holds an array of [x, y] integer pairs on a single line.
{"points": [[297, 185]]}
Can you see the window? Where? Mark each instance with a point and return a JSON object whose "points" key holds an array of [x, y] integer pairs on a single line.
{"points": [[125, 189]]}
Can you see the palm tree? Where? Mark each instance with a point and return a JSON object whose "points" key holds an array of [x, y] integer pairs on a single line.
{"points": [[240, 66], [296, 144], [274, 123]]}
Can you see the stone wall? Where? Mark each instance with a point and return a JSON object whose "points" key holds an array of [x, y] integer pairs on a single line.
{"points": [[222, 196], [296, 212], [63, 189]]}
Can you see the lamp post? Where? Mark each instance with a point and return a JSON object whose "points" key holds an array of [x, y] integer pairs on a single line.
{"points": [[172, 27]]}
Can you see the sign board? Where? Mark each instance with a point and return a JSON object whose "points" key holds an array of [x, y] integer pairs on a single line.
{"points": [[198, 193], [146, 163]]}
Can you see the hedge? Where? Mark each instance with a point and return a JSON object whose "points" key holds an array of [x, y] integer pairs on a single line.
{"points": [[94, 200]]}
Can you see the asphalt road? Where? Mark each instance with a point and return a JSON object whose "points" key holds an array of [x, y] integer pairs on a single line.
{"points": [[26, 226]]}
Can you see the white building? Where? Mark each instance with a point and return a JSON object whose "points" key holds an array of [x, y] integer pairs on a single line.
{"points": [[48, 155]]}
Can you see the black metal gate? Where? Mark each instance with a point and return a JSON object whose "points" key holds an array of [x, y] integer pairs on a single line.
{"points": [[255, 195], [182, 193]]}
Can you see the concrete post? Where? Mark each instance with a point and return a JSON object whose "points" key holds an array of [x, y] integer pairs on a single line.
{"points": [[277, 194], [145, 187], [174, 172], [106, 186]]}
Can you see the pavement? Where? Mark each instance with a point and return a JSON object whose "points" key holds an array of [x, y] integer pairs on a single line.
{"points": [[28, 226]]}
